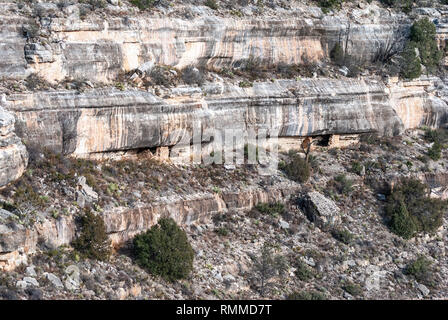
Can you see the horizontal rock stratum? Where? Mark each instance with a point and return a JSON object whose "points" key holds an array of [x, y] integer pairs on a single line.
{"points": [[105, 120], [99, 49]]}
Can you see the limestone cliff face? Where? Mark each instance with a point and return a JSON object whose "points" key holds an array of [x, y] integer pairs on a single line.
{"points": [[12, 42], [111, 120], [13, 154], [104, 120], [99, 49], [420, 102]]}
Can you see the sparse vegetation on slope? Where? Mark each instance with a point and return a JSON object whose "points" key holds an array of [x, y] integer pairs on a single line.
{"points": [[297, 169], [143, 4], [421, 270], [267, 265]]}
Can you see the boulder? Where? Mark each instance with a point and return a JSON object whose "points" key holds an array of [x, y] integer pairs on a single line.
{"points": [[72, 280], [85, 194], [46, 9], [30, 271], [423, 289], [319, 209], [31, 281], [146, 67], [55, 281]]}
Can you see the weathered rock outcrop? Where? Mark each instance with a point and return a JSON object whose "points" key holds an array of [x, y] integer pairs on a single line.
{"points": [[13, 154], [99, 49], [107, 120], [17, 241]]}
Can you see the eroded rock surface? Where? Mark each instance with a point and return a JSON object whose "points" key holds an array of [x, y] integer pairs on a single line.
{"points": [[99, 49], [13, 154], [104, 120], [58, 45], [320, 210]]}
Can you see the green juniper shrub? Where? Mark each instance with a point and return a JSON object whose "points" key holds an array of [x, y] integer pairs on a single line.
{"points": [[314, 163], [253, 64], [286, 70], [306, 295], [120, 86], [31, 31], [410, 66], [267, 265], [356, 167], [423, 38], [401, 222], [62, 4], [303, 272], [341, 184], [8, 206], [435, 152], [93, 241], [421, 270], [411, 211], [98, 4], [212, 4], [222, 231], [327, 5], [423, 158], [354, 67], [423, 34], [164, 250], [337, 54], [35, 82], [161, 76], [431, 135], [352, 288], [143, 4], [436, 135], [253, 68], [281, 165], [298, 169], [245, 84], [404, 5], [370, 138], [272, 209], [192, 75], [342, 235]]}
